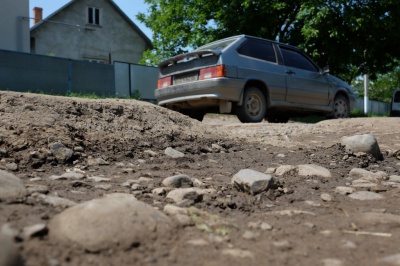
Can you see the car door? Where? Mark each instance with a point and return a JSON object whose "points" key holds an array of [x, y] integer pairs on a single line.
{"points": [[305, 84]]}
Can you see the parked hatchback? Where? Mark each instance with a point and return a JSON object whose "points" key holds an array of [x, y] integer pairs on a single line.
{"points": [[253, 78], [395, 103]]}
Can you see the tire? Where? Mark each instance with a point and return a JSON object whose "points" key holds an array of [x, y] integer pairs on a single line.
{"points": [[254, 106], [341, 107], [278, 119]]}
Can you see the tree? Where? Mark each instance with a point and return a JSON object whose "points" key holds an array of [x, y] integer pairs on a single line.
{"points": [[353, 37]]}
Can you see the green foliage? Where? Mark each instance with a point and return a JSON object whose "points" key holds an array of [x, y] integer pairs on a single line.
{"points": [[353, 37]]}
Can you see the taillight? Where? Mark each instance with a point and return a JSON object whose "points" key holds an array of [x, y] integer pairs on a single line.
{"points": [[164, 82], [212, 72]]}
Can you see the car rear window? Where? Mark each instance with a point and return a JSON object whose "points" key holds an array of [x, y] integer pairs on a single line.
{"points": [[217, 45], [397, 97], [258, 49], [296, 59]]}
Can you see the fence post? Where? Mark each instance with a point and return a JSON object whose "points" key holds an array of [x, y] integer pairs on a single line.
{"points": [[69, 77], [365, 93]]}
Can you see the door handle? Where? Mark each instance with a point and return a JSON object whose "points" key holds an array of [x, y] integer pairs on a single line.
{"points": [[290, 72]]}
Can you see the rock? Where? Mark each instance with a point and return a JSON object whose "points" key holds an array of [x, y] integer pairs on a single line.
{"points": [[344, 190], [34, 230], [73, 175], [62, 153], [151, 153], [198, 242], [332, 262], [174, 210], [252, 182], [105, 187], [11, 187], [173, 153], [192, 194], [368, 175], [10, 254], [391, 260], [12, 166], [98, 179], [238, 253], [178, 181], [260, 225], [250, 235], [55, 201], [283, 245], [42, 189], [326, 197], [365, 195], [362, 143], [116, 221], [313, 170], [285, 169], [159, 191], [362, 183], [394, 178], [96, 161]]}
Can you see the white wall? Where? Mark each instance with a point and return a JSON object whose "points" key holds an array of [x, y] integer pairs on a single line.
{"points": [[14, 29]]}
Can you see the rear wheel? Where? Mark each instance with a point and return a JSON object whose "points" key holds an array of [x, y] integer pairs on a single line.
{"points": [[341, 107], [254, 106]]}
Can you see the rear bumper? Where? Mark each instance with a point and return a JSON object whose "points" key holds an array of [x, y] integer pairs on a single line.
{"points": [[227, 89]]}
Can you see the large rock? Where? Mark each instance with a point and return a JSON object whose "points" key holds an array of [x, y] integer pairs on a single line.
{"points": [[11, 187], [116, 221], [251, 181], [362, 143]]}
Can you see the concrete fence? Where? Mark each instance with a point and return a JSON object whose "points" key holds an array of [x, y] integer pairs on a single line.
{"points": [[374, 107]]}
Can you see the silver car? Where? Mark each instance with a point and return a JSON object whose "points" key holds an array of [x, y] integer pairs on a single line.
{"points": [[253, 78]]}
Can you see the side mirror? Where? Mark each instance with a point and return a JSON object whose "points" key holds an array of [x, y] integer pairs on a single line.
{"points": [[325, 70]]}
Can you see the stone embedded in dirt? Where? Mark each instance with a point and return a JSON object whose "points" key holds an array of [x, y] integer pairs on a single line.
{"points": [[96, 161], [62, 153], [332, 262], [313, 170], [115, 221], [9, 252], [30, 189], [190, 194], [250, 235], [365, 195], [362, 143], [344, 190], [326, 197], [362, 183], [390, 260], [394, 178], [34, 230], [368, 175], [173, 153], [11, 187], [252, 182], [238, 253], [12, 166], [151, 153], [283, 245], [73, 175], [178, 181], [285, 169], [99, 179], [173, 210], [159, 191], [55, 201], [290, 212]]}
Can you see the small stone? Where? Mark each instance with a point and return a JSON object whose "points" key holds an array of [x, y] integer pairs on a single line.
{"points": [[362, 183], [238, 253], [344, 190], [313, 170], [99, 179], [11, 187], [37, 189], [55, 201], [365, 195], [326, 197], [105, 187], [368, 175], [392, 259], [249, 235], [192, 194], [151, 153], [12, 166], [174, 210], [141, 161], [97, 161], [283, 245], [34, 230], [73, 175], [178, 181], [159, 191], [198, 242], [378, 188], [332, 262], [394, 178], [135, 187], [285, 169], [362, 143], [251, 181], [173, 153]]}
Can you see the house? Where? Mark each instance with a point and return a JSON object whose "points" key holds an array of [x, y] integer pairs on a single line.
{"points": [[91, 30], [14, 25]]}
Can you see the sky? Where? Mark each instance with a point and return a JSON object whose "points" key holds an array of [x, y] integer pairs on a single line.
{"points": [[130, 7]]}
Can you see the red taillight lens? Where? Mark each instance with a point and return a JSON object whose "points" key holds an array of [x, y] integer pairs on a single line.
{"points": [[164, 82], [212, 72]]}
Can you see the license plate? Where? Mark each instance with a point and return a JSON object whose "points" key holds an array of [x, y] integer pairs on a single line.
{"points": [[185, 78]]}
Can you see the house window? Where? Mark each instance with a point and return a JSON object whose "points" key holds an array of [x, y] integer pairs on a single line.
{"points": [[93, 16]]}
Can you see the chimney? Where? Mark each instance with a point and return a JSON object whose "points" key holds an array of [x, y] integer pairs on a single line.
{"points": [[37, 14]]}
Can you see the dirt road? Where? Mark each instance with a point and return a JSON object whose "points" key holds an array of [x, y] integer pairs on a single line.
{"points": [[68, 153]]}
